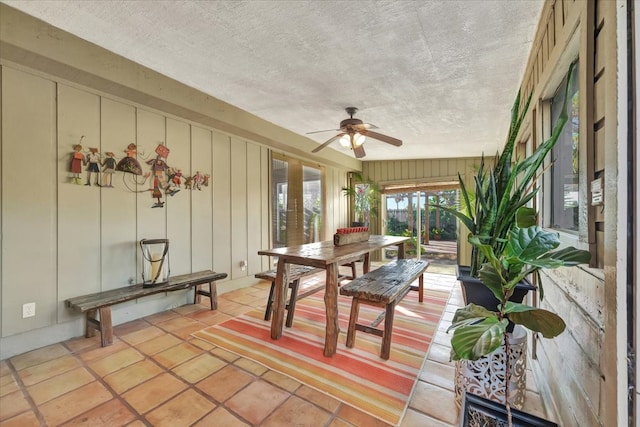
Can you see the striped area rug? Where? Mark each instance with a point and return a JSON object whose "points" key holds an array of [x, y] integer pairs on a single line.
{"points": [[356, 376]]}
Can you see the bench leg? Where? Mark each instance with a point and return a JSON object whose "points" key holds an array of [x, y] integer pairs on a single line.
{"points": [[212, 293], [419, 288], [291, 306], [353, 319], [106, 329], [92, 324], [103, 325], [267, 311], [388, 329]]}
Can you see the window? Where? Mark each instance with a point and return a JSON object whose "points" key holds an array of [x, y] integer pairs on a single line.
{"points": [[564, 170], [296, 193]]}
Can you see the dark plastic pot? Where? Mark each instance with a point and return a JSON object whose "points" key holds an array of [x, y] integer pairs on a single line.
{"points": [[495, 414], [475, 292]]}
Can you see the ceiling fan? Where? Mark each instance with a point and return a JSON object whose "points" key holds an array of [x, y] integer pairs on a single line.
{"points": [[353, 133]]}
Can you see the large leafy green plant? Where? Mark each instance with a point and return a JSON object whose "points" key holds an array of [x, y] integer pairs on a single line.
{"points": [[365, 194], [478, 331], [503, 190]]}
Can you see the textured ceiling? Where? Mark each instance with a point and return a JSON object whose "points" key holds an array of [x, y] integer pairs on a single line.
{"points": [[440, 75]]}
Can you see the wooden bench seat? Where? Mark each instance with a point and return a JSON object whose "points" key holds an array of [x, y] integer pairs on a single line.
{"points": [[383, 287], [296, 272], [101, 302]]}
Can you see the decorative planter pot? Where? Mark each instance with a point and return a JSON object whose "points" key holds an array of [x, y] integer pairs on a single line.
{"points": [[480, 412], [485, 377], [475, 292]]}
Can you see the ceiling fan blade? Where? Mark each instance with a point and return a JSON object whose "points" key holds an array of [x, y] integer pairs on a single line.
{"points": [[329, 141], [320, 131], [364, 127], [359, 151], [384, 138]]}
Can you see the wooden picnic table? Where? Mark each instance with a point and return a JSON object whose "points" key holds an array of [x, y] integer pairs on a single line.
{"points": [[329, 257]]}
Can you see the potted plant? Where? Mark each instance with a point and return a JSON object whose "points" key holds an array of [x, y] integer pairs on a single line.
{"points": [[365, 194], [498, 204], [436, 233], [479, 332]]}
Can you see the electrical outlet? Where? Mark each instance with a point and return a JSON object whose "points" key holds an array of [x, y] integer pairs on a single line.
{"points": [[243, 265], [28, 310]]}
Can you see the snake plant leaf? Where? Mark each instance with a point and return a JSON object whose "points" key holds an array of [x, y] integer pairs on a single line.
{"points": [[477, 340], [467, 221], [526, 217], [549, 324]]}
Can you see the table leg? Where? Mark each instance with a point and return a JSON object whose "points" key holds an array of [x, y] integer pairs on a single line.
{"points": [[401, 251], [366, 265], [331, 305], [280, 293]]}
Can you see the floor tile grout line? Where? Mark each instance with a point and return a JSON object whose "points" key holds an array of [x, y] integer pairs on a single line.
{"points": [[115, 395], [25, 393]]}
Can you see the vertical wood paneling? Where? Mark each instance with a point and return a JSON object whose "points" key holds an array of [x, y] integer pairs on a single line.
{"points": [[551, 28], [435, 169], [265, 213], [221, 206], [29, 236], [419, 168], [178, 206], [78, 205], [1, 199], [397, 170], [202, 203], [118, 207], [238, 206], [558, 20], [150, 132], [254, 211], [406, 173], [600, 53], [599, 100]]}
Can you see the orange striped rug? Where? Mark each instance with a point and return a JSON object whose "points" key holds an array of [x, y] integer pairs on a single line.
{"points": [[356, 376]]}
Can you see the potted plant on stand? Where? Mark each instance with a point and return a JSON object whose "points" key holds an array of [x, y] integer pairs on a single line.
{"points": [[498, 204], [482, 333]]}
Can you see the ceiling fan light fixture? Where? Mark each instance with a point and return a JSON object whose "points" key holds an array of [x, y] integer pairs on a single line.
{"points": [[358, 139], [345, 141]]}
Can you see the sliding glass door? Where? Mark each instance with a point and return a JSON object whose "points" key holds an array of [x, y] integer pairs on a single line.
{"points": [[296, 192]]}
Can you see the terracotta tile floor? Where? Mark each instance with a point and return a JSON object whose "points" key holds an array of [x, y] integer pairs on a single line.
{"points": [[156, 374]]}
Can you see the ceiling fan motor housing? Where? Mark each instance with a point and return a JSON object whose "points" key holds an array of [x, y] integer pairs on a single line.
{"points": [[348, 123]]}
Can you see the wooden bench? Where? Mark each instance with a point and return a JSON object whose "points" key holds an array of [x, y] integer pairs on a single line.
{"points": [[296, 272], [383, 287], [101, 302]]}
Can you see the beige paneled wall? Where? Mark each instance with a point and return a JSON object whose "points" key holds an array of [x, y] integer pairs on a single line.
{"points": [[29, 214], [62, 240]]}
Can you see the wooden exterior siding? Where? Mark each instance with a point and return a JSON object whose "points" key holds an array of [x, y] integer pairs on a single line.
{"points": [[583, 390]]}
